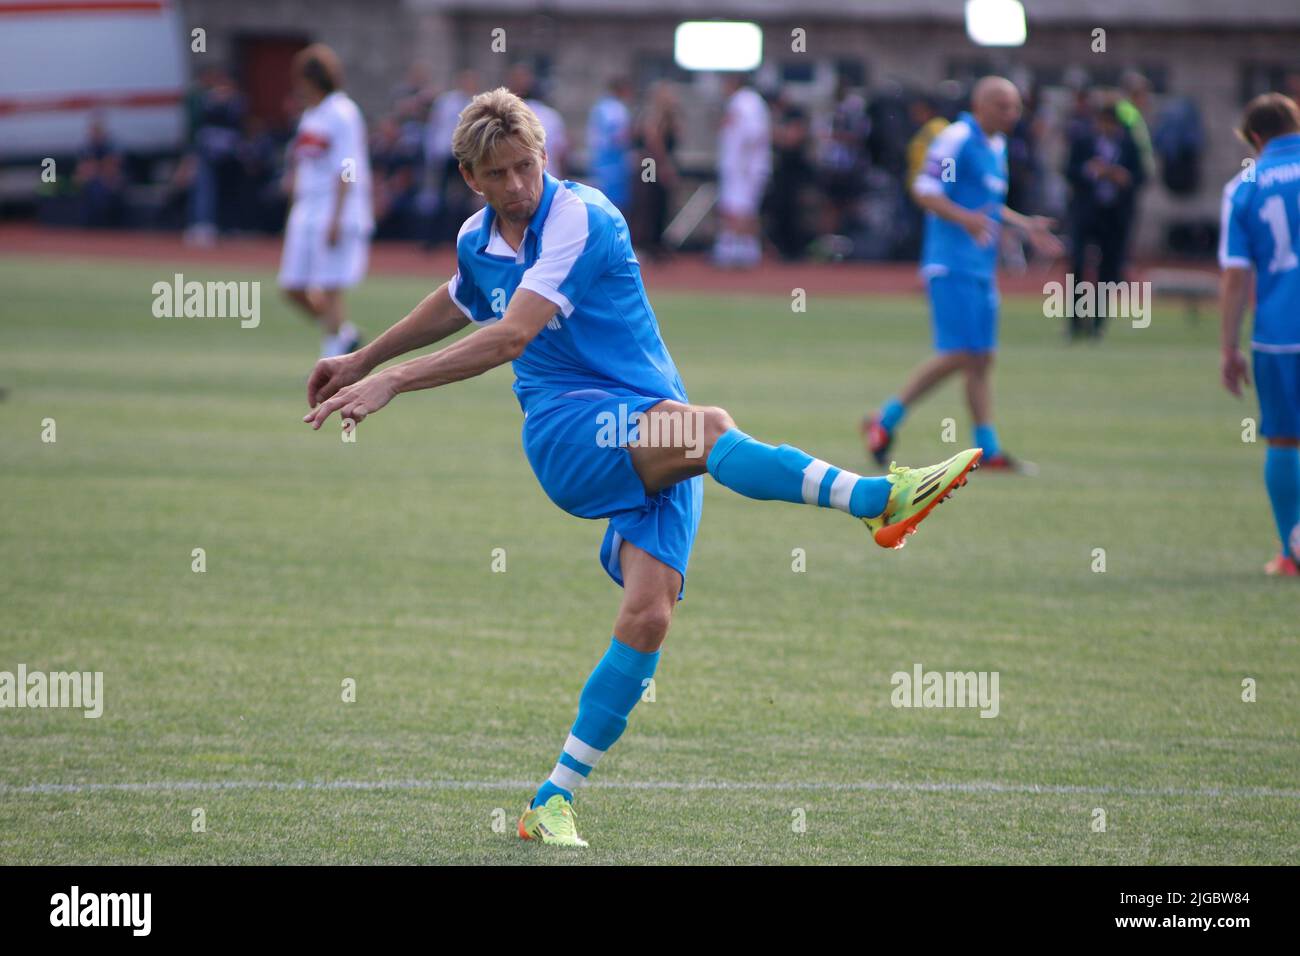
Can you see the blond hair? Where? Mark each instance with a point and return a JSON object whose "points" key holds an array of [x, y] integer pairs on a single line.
{"points": [[491, 117]]}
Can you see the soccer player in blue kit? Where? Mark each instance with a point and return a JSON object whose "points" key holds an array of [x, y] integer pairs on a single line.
{"points": [[1261, 232], [547, 275], [962, 187]]}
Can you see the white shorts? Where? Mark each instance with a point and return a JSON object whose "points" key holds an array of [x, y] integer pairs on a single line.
{"points": [[740, 195], [309, 262]]}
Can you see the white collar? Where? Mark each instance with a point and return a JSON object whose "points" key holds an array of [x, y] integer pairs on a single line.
{"points": [[498, 246]]}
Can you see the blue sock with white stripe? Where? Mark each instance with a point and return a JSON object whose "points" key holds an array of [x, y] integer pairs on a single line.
{"points": [[755, 470], [608, 697], [892, 414], [1282, 478], [986, 437]]}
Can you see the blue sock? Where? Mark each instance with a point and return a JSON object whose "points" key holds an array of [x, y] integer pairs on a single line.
{"points": [[986, 437], [608, 697], [755, 470], [1282, 478], [892, 414]]}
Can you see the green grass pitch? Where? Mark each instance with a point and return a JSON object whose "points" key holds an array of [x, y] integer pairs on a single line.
{"points": [[771, 739]]}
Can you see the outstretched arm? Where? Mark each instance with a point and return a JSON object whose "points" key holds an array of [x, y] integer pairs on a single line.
{"points": [[435, 318], [473, 355], [1037, 229], [431, 321]]}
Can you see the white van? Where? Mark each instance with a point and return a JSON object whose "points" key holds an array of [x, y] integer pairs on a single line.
{"points": [[63, 62]]}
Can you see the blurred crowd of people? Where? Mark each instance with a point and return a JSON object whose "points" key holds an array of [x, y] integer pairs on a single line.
{"points": [[826, 180], [841, 175], [231, 179]]}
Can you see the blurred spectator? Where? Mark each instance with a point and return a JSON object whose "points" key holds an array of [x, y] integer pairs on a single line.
{"points": [[1131, 110], [263, 205], [523, 83], [452, 198], [395, 164], [100, 182], [925, 118], [658, 129], [214, 197], [411, 114], [1178, 141], [413, 97], [1024, 178], [842, 159], [888, 130], [1291, 84], [609, 142], [744, 163], [792, 176], [1024, 171], [1105, 172], [1079, 121]]}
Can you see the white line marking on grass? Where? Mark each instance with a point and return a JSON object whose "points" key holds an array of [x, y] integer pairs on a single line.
{"points": [[853, 787]]}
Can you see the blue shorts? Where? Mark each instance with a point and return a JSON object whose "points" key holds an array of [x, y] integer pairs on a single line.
{"points": [[1277, 383], [963, 313], [590, 478]]}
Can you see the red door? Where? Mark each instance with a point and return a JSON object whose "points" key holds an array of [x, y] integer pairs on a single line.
{"points": [[264, 74]]}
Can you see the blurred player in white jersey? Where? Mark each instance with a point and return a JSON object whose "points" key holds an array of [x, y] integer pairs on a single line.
{"points": [[327, 239], [744, 164]]}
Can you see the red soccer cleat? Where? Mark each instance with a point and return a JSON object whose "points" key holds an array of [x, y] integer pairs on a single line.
{"points": [[876, 438], [1282, 567]]}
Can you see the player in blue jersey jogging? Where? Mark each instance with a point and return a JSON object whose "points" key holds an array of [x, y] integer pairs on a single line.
{"points": [[962, 187], [1261, 231], [547, 275]]}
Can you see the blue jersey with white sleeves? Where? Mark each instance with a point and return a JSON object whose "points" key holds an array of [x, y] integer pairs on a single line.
{"points": [[1261, 230], [577, 254], [971, 170]]}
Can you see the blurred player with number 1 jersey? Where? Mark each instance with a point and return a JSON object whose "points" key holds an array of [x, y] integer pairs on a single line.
{"points": [[1261, 232]]}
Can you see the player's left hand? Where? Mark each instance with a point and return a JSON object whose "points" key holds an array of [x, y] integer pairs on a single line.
{"points": [[332, 234], [1234, 371], [1039, 232], [354, 402]]}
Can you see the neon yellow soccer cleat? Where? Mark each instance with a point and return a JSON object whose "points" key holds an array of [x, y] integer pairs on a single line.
{"points": [[553, 822], [915, 493]]}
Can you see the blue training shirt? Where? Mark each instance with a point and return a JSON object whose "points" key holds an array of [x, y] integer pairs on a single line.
{"points": [[971, 170], [576, 253], [609, 144], [1261, 230]]}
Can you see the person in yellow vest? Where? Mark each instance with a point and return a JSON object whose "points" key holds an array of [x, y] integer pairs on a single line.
{"points": [[925, 117], [1130, 107], [927, 122]]}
